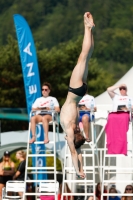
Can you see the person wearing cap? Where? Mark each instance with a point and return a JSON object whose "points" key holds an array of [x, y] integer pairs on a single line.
{"points": [[121, 99], [7, 169]]}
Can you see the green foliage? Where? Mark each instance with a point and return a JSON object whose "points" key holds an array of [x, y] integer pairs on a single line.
{"points": [[58, 63], [50, 163], [13, 158], [112, 43], [16, 161], [11, 76], [97, 76]]}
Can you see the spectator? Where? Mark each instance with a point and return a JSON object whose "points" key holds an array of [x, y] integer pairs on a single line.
{"points": [[45, 103], [117, 137], [122, 100], [85, 105], [128, 190], [20, 173], [7, 168], [113, 190], [77, 89], [98, 193]]}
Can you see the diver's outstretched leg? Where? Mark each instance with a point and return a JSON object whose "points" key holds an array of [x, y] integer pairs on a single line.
{"points": [[80, 72]]}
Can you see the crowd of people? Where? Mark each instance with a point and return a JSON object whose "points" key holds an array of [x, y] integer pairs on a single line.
{"points": [[7, 169], [113, 193], [8, 172]]}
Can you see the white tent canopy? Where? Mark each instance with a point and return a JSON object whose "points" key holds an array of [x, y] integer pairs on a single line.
{"points": [[104, 99]]}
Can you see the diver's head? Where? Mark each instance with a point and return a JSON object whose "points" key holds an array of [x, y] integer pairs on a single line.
{"points": [[78, 138]]}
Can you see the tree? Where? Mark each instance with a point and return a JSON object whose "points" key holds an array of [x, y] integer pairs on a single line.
{"points": [[11, 86], [55, 66]]}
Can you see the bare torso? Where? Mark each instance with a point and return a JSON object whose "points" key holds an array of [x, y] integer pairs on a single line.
{"points": [[69, 112], [69, 121]]}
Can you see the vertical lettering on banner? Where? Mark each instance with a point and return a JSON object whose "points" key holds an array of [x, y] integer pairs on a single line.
{"points": [[30, 65], [30, 75], [32, 89], [28, 60], [27, 49]]}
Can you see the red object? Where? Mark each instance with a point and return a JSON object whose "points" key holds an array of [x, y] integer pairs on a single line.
{"points": [[64, 198], [47, 198]]}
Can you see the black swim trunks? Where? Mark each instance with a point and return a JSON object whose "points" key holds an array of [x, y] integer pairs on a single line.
{"points": [[81, 91]]}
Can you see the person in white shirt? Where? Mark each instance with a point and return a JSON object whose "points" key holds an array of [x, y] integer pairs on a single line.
{"points": [[86, 104], [46, 103], [120, 101]]}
